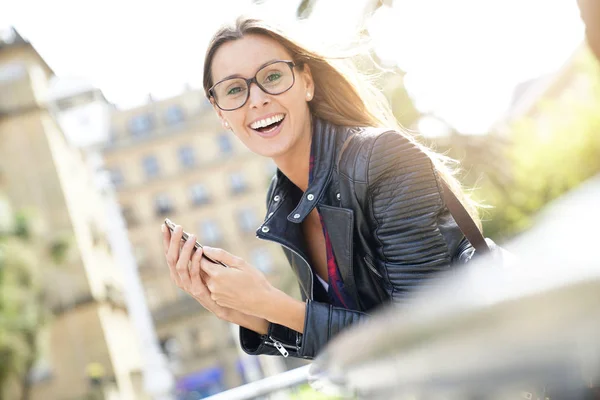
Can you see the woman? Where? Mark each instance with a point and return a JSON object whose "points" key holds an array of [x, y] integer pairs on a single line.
{"points": [[355, 204]]}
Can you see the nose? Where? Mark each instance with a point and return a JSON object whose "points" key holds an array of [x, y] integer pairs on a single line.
{"points": [[257, 97]]}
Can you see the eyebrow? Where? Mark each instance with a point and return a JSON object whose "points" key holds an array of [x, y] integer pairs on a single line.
{"points": [[240, 76]]}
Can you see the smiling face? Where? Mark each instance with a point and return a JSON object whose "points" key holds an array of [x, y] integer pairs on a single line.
{"points": [[270, 125]]}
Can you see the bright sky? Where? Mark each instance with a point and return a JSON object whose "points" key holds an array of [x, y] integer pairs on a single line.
{"points": [[462, 57]]}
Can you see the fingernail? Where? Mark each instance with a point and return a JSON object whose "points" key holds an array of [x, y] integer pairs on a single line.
{"points": [[162, 228], [178, 228]]}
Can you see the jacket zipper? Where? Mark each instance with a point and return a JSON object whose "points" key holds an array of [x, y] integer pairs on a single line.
{"points": [[282, 348], [299, 255], [278, 345], [372, 267]]}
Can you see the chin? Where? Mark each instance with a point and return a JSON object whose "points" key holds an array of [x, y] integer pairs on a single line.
{"points": [[272, 152], [272, 148]]}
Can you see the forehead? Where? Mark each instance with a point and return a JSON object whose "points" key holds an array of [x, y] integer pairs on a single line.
{"points": [[246, 55]]}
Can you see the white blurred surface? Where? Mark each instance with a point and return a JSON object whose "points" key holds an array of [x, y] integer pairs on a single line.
{"points": [[489, 328]]}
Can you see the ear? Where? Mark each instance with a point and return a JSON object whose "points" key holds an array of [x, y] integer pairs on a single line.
{"points": [[219, 112], [309, 83]]}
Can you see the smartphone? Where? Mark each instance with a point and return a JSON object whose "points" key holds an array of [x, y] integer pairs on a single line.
{"points": [[185, 236]]}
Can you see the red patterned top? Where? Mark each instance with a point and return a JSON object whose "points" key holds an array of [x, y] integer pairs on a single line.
{"points": [[337, 296]]}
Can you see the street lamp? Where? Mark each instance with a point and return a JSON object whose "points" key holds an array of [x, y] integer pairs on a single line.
{"points": [[83, 114]]}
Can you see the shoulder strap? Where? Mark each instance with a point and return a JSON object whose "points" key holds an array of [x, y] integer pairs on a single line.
{"points": [[464, 220], [344, 145]]}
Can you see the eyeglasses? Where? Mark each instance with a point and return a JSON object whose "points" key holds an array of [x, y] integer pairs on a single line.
{"points": [[274, 78]]}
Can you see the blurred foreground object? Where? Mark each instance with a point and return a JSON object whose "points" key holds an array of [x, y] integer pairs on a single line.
{"points": [[489, 332], [590, 13]]}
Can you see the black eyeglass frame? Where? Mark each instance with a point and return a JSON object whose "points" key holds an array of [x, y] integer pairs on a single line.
{"points": [[249, 82]]}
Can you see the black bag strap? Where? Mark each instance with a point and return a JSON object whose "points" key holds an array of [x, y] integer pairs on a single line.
{"points": [[464, 220]]}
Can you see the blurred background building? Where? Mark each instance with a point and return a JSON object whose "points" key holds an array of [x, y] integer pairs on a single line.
{"points": [[168, 158], [89, 340], [171, 158]]}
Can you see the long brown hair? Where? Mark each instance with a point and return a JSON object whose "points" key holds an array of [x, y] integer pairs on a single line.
{"points": [[342, 94]]}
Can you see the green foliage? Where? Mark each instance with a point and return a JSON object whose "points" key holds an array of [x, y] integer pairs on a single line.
{"points": [[22, 305], [59, 249], [304, 9], [20, 314], [403, 107], [552, 151], [305, 392], [22, 229]]}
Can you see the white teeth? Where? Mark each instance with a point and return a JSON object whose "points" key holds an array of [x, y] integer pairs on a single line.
{"points": [[267, 121]]}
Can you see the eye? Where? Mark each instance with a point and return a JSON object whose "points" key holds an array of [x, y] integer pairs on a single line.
{"points": [[273, 76], [234, 90]]}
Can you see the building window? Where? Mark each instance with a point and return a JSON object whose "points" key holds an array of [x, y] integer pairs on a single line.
{"points": [[129, 216], [194, 339], [151, 168], [186, 156], [201, 339], [152, 297], [163, 204], [98, 236], [141, 255], [247, 220], [261, 259], [199, 194], [42, 369], [174, 115], [113, 135], [237, 182], [210, 232], [116, 177], [141, 125], [172, 348], [225, 145]]}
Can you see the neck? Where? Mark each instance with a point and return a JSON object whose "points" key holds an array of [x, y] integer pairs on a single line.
{"points": [[295, 163]]}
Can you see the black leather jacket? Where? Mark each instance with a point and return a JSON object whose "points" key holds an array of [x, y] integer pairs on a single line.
{"points": [[379, 197]]}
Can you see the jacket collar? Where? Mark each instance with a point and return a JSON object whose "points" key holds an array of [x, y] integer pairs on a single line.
{"points": [[323, 149]]}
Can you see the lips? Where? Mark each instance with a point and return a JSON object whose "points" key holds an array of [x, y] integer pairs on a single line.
{"points": [[269, 126], [267, 121]]}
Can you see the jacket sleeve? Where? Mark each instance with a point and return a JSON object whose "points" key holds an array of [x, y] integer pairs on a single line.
{"points": [[322, 322], [415, 235]]}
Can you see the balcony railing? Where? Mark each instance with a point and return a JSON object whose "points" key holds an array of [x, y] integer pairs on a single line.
{"points": [[264, 387]]}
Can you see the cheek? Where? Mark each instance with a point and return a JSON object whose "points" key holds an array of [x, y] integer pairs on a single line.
{"points": [[236, 120]]}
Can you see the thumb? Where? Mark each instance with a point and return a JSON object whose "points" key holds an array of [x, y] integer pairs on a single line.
{"points": [[223, 256]]}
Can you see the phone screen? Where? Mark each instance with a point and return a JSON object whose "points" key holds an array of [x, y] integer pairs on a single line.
{"points": [[185, 236]]}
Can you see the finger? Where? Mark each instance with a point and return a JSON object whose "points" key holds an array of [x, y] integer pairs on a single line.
{"points": [[223, 256], [166, 236], [175, 276], [174, 245], [184, 260], [172, 255], [211, 269], [195, 270], [203, 276], [199, 288]]}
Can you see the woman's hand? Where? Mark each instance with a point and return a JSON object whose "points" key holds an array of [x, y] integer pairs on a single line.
{"points": [[244, 288], [240, 287], [184, 265]]}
